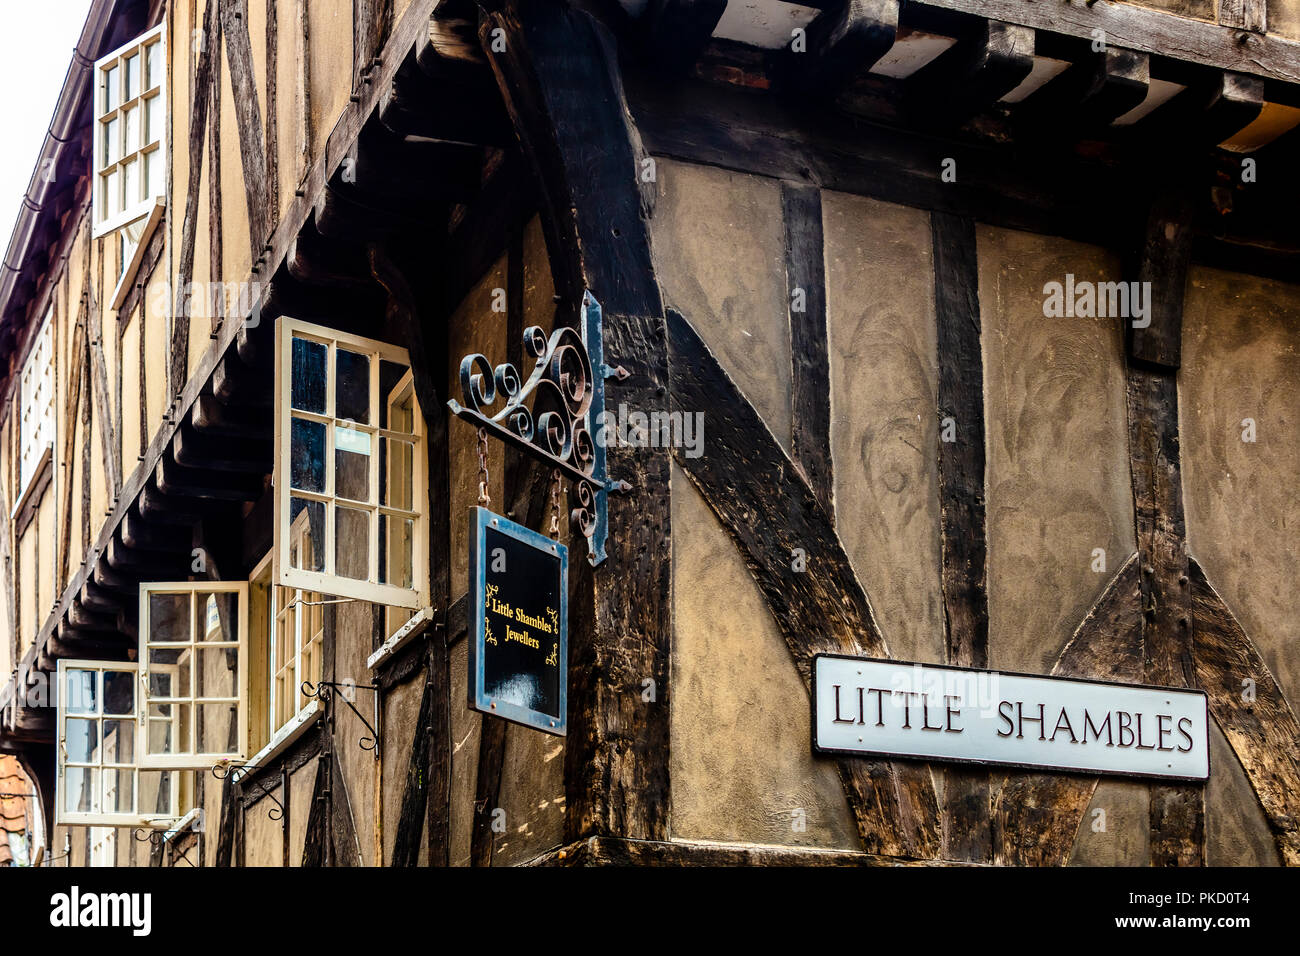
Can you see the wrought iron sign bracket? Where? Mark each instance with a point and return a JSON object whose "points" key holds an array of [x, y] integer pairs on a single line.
{"points": [[323, 691], [236, 773], [563, 428]]}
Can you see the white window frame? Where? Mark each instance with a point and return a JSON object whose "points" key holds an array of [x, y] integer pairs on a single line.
{"points": [[106, 221], [190, 758], [287, 605], [38, 424], [327, 581], [133, 818]]}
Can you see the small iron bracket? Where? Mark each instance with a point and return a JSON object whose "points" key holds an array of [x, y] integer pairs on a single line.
{"points": [[324, 690], [236, 773]]}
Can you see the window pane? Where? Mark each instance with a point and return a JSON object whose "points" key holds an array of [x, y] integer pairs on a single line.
{"points": [[220, 615], [169, 672], [351, 464], [79, 787], [131, 183], [352, 543], [398, 537], [156, 787], [169, 617], [112, 140], [216, 672], [119, 692], [400, 460], [352, 387], [308, 376], [81, 739], [307, 455], [168, 728], [218, 728], [154, 55], [306, 533], [131, 119], [119, 741], [153, 173], [119, 791], [112, 88], [133, 76], [82, 692], [153, 119]]}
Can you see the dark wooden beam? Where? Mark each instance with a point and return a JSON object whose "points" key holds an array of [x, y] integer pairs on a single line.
{"points": [[769, 510], [248, 118], [201, 88], [1166, 255], [966, 833], [971, 76], [810, 398], [1177, 811], [562, 87], [1091, 93], [1147, 30]]}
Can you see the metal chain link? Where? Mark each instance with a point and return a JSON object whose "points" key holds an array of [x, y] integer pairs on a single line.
{"points": [[555, 503], [484, 499]]}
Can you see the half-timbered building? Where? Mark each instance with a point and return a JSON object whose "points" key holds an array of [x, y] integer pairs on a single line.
{"points": [[869, 278]]}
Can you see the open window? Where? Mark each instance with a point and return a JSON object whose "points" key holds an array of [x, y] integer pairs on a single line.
{"points": [[288, 631], [193, 673], [349, 468], [130, 132], [99, 779]]}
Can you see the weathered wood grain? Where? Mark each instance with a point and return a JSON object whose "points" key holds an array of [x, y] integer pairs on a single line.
{"points": [[810, 399], [769, 511], [248, 117], [178, 366], [1244, 14], [1177, 810], [410, 819], [216, 303], [1166, 255], [964, 541], [561, 84], [1150, 31], [1251, 709]]}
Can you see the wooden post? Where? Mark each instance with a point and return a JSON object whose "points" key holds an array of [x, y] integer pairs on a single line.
{"points": [[1177, 810], [560, 80], [966, 820]]}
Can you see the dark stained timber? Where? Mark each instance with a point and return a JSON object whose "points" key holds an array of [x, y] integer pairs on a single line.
{"points": [[561, 83], [805, 269], [966, 820]]}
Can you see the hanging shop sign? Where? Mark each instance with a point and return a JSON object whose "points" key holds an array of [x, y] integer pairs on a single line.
{"points": [[934, 712], [519, 623]]}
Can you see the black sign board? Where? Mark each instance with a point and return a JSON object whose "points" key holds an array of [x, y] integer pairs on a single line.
{"points": [[519, 623]]}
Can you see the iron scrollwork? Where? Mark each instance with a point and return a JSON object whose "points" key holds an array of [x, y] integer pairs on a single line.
{"points": [[236, 773], [553, 415]]}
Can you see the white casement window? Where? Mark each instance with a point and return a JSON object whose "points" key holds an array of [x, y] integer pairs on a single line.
{"points": [[130, 131], [349, 468], [290, 623], [99, 778], [36, 426], [193, 673]]}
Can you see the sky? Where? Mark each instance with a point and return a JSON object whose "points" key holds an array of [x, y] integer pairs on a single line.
{"points": [[37, 38]]}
